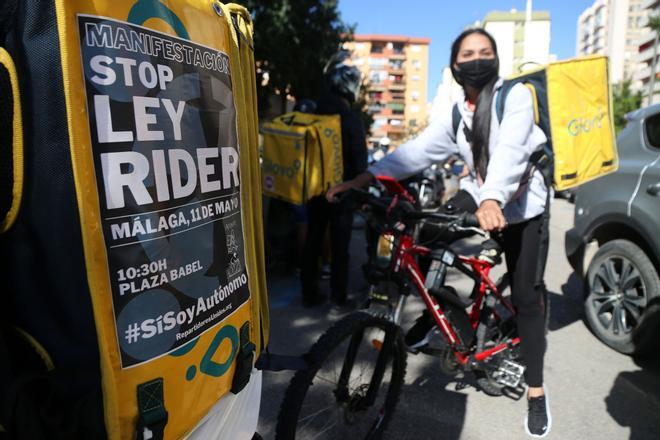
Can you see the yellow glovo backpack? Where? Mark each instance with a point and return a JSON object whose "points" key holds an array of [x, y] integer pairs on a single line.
{"points": [[302, 156], [572, 107], [133, 291]]}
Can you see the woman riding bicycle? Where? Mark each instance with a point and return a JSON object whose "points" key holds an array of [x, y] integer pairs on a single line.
{"points": [[498, 157]]}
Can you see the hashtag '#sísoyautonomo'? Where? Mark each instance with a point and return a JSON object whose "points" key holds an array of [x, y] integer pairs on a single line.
{"points": [[132, 333]]}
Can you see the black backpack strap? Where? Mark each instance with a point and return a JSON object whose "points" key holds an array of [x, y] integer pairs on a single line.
{"points": [[455, 119], [152, 415], [244, 360], [500, 100]]}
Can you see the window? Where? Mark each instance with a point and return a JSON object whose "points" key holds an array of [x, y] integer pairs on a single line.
{"points": [[377, 48], [377, 77], [414, 95], [417, 64], [416, 48], [358, 61], [397, 48], [414, 108], [379, 122], [413, 122], [415, 77], [652, 127], [375, 96], [377, 63]]}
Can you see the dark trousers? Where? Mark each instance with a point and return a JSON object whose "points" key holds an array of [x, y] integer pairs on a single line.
{"points": [[339, 216], [525, 248]]}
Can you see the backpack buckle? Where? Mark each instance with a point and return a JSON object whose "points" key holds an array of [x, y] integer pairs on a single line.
{"points": [[244, 360]]}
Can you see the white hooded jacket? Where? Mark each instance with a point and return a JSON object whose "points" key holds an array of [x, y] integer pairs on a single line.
{"points": [[511, 144]]}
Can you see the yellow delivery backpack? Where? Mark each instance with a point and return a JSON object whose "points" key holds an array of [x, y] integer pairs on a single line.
{"points": [[302, 156], [572, 106], [133, 294]]}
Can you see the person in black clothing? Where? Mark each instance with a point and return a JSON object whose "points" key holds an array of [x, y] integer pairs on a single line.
{"points": [[344, 85]]}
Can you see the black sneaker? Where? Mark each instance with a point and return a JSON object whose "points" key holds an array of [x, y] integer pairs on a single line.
{"points": [[538, 420], [418, 335]]}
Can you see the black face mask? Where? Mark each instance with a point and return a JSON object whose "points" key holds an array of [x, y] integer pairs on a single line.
{"points": [[476, 73]]}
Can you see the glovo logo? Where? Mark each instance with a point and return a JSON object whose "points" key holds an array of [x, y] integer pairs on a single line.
{"points": [[275, 169], [337, 171], [579, 126], [207, 365]]}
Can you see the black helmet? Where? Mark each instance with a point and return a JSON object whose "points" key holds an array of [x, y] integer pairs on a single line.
{"points": [[343, 78]]}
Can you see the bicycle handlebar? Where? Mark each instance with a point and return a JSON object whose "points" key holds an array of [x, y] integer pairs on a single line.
{"points": [[465, 220]]}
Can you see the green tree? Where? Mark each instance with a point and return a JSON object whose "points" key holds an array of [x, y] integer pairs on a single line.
{"points": [[293, 41], [625, 101]]}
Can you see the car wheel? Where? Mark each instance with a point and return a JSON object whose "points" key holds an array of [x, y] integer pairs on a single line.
{"points": [[621, 281]]}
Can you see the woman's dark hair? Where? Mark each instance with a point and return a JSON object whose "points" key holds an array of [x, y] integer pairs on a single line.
{"points": [[480, 133]]}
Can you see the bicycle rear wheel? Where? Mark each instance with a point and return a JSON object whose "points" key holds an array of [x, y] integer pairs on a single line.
{"points": [[356, 371]]}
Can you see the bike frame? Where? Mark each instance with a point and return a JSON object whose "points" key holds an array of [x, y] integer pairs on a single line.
{"points": [[404, 261]]}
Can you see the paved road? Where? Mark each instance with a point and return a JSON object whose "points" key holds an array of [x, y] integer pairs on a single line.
{"points": [[595, 392]]}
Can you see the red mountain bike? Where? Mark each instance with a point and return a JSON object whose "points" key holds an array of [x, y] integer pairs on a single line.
{"points": [[356, 368]]}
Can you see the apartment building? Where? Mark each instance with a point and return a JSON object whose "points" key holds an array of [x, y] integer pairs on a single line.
{"points": [[396, 69], [523, 38], [613, 28], [646, 50]]}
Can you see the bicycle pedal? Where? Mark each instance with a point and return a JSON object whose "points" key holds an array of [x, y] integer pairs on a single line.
{"points": [[516, 393], [509, 373]]}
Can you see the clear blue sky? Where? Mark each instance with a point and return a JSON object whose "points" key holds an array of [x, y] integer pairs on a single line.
{"points": [[443, 20]]}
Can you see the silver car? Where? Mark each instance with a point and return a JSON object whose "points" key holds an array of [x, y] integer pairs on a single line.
{"points": [[620, 215]]}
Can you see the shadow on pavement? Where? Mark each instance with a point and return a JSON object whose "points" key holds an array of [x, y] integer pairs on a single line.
{"points": [[632, 404], [567, 307], [437, 410]]}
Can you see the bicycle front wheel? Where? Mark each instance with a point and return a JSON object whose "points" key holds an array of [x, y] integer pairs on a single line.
{"points": [[356, 371]]}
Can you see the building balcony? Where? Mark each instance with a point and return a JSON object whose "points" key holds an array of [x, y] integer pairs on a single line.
{"points": [[401, 85], [394, 128], [375, 109], [399, 115], [646, 55], [646, 40], [377, 87], [395, 55], [643, 76], [396, 71], [648, 4]]}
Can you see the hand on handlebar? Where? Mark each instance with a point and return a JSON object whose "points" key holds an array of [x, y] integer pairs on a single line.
{"points": [[358, 182], [490, 215]]}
